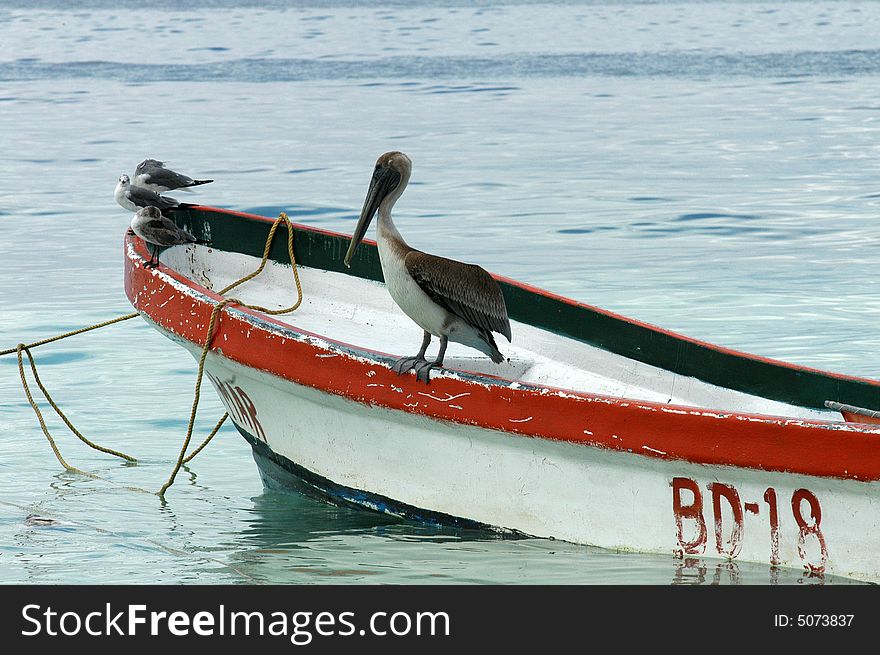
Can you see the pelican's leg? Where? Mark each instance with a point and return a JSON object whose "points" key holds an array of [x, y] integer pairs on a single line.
{"points": [[423, 370], [406, 364]]}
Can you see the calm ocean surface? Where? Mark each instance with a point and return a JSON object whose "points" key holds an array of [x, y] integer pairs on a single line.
{"points": [[710, 167]]}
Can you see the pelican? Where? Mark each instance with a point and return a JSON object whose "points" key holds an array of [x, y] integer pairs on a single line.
{"points": [[447, 299]]}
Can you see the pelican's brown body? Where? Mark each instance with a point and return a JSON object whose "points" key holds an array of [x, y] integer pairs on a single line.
{"points": [[447, 299]]}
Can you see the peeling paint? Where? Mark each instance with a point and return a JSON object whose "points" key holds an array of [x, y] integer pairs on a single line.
{"points": [[448, 398]]}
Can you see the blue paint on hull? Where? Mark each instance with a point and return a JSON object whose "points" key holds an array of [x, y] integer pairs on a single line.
{"points": [[278, 472]]}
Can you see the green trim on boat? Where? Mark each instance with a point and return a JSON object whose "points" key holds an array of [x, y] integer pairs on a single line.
{"points": [[738, 371]]}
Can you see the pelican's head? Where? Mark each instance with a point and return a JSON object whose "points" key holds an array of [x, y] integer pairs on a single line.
{"points": [[389, 180]]}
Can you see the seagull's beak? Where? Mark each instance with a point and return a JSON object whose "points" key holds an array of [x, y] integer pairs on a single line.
{"points": [[385, 180]]}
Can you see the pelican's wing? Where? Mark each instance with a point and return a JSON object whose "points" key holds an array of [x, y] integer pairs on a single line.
{"points": [[466, 290]]}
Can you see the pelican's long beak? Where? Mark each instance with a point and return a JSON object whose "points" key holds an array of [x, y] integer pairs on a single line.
{"points": [[384, 181]]}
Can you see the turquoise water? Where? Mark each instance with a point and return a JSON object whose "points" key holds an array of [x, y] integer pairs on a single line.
{"points": [[710, 167]]}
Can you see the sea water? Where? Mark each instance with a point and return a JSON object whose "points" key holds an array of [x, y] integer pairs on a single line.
{"points": [[709, 167]]}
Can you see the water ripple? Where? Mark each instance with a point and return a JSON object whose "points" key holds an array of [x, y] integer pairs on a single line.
{"points": [[843, 63]]}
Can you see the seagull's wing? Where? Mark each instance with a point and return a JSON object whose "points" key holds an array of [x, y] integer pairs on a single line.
{"points": [[144, 198], [148, 163], [466, 290], [162, 231], [165, 178]]}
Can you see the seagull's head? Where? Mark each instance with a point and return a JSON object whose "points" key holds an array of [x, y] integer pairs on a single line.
{"points": [[150, 212], [390, 177], [124, 180]]}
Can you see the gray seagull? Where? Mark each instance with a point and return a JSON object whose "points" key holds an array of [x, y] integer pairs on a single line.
{"points": [[159, 232], [151, 174], [133, 197]]}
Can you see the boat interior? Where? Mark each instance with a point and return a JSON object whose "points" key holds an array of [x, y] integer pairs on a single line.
{"points": [[360, 313]]}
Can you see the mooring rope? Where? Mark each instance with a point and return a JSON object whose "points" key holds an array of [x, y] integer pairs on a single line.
{"points": [[26, 349], [183, 457], [21, 348], [43, 342], [209, 337], [36, 409]]}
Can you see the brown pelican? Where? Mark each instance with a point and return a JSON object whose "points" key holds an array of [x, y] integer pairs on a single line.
{"points": [[446, 298]]}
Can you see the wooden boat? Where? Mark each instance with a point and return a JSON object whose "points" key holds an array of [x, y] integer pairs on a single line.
{"points": [[599, 429]]}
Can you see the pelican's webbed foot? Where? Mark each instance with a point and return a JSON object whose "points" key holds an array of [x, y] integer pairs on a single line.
{"points": [[423, 370], [407, 364]]}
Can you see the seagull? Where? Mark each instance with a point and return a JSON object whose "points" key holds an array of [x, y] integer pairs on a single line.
{"points": [[447, 299], [151, 174], [158, 231], [133, 197]]}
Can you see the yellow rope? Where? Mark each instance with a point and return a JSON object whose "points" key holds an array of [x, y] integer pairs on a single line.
{"points": [[208, 438], [299, 294], [25, 348], [118, 319], [57, 409], [36, 409], [209, 337], [183, 457]]}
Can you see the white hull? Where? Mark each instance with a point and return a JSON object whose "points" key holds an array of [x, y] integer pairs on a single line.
{"points": [[554, 489]]}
